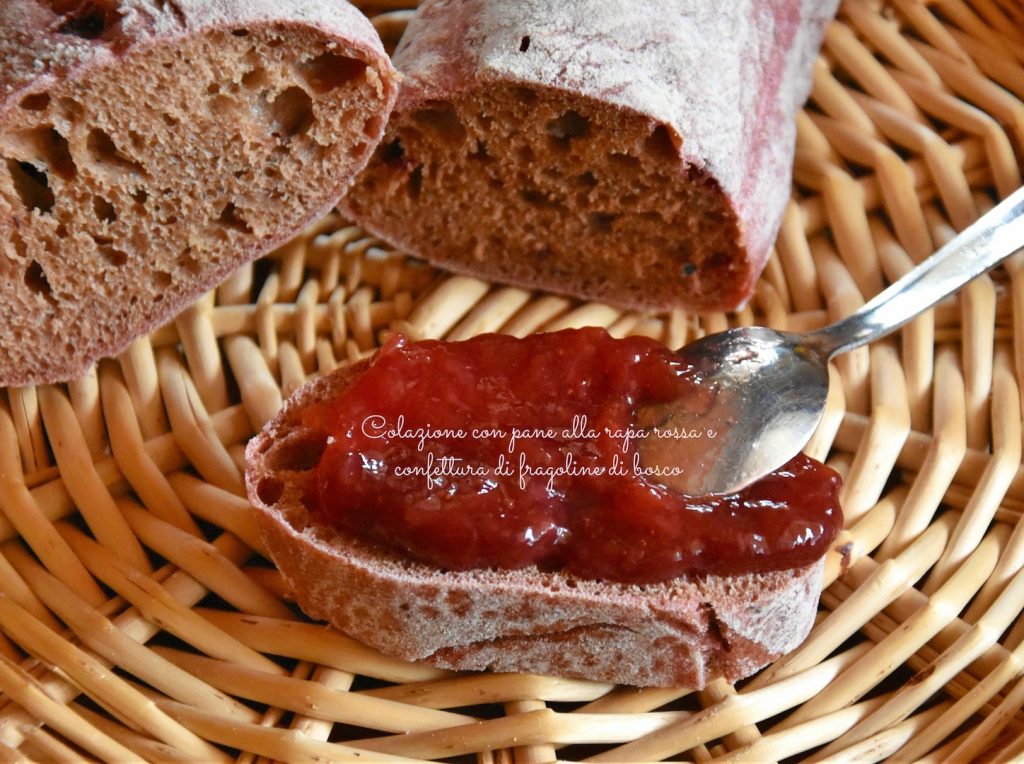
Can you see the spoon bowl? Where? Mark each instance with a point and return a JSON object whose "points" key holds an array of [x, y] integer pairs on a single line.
{"points": [[764, 391], [767, 394]]}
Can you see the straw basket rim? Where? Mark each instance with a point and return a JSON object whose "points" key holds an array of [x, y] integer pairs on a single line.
{"points": [[189, 646]]}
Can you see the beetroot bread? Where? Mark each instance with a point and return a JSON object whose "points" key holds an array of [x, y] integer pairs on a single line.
{"points": [[149, 148], [680, 633], [636, 153]]}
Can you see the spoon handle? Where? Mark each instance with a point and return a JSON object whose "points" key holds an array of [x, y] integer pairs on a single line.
{"points": [[985, 243]]}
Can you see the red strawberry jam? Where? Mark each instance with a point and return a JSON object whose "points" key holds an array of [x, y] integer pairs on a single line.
{"points": [[500, 452]]}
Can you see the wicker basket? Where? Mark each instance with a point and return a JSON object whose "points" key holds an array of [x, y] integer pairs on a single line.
{"points": [[138, 619]]}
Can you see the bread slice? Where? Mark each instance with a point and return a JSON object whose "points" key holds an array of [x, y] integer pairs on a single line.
{"points": [[638, 153], [147, 149], [681, 633]]}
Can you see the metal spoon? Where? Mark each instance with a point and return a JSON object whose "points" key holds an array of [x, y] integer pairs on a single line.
{"points": [[768, 388]]}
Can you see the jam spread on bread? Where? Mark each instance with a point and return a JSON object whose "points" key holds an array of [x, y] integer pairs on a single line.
{"points": [[500, 452]]}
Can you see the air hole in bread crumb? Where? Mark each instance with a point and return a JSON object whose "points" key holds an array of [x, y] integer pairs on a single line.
{"points": [[189, 262], [524, 44], [20, 250], [720, 261], [392, 152], [416, 182], [443, 122], [239, 32], [31, 185], [35, 102], [372, 126], [269, 490], [88, 19], [140, 195], [223, 106], [525, 96], [662, 144], [104, 210], [292, 112], [299, 453], [161, 280], [104, 151], [36, 281], [110, 253], [329, 71], [586, 179], [255, 78], [481, 157], [169, 120], [625, 161], [213, 88], [230, 218], [570, 125], [59, 155], [689, 269], [538, 198], [48, 146], [480, 152], [601, 222], [71, 109], [51, 147]]}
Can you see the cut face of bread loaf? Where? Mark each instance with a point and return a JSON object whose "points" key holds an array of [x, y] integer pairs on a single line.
{"points": [[634, 152], [680, 633], [149, 148]]}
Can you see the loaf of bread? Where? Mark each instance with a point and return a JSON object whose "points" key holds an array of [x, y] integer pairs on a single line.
{"points": [[680, 633], [149, 147], [638, 153]]}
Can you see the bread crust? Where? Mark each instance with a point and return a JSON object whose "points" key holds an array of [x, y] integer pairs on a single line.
{"points": [[687, 113], [149, 149], [680, 633]]}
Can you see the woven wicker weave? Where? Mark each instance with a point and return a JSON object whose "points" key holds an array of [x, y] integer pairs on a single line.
{"points": [[139, 621]]}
